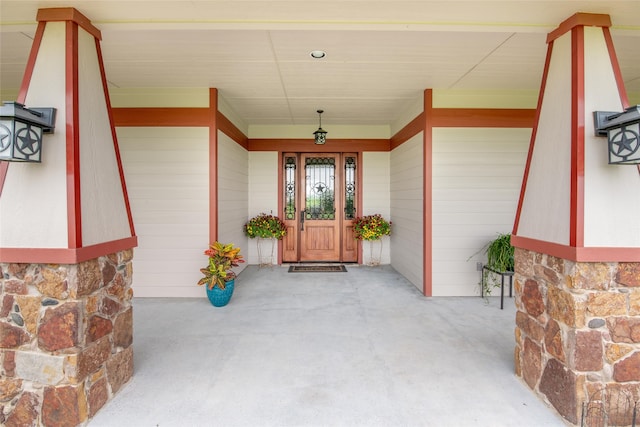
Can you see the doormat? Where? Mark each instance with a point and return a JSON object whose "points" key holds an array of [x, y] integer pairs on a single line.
{"points": [[317, 269]]}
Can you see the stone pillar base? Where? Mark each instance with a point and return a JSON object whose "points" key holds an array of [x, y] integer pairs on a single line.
{"points": [[66, 334], [578, 333]]}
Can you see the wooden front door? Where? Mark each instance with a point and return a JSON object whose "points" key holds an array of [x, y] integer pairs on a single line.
{"points": [[320, 202]]}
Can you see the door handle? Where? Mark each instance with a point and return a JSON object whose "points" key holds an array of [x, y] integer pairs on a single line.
{"points": [[302, 220]]}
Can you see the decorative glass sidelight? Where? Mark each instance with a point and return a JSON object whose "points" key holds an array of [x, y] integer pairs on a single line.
{"points": [[290, 188], [349, 188], [320, 173]]}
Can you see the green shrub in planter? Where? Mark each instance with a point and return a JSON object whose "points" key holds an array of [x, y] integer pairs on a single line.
{"points": [[500, 255]]}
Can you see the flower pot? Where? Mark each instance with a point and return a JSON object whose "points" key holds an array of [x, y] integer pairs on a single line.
{"points": [[265, 251], [375, 252], [220, 297]]}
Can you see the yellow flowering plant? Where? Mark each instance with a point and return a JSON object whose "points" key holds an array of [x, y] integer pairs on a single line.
{"points": [[371, 227], [265, 226]]}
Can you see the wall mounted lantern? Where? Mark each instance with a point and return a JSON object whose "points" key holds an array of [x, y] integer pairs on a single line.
{"points": [[320, 134], [622, 131], [21, 131]]}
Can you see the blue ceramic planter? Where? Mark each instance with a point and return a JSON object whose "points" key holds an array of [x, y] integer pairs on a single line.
{"points": [[220, 297]]}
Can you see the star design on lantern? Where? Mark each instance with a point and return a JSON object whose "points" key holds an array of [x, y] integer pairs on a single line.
{"points": [[5, 137], [625, 140], [27, 141]]}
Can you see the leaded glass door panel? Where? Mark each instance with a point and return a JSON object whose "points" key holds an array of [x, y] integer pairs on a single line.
{"points": [[319, 228], [320, 200]]}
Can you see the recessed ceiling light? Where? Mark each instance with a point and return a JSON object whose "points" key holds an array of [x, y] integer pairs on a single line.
{"points": [[318, 54]]}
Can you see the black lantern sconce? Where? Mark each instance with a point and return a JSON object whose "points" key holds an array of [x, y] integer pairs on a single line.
{"points": [[21, 131], [622, 131], [320, 134]]}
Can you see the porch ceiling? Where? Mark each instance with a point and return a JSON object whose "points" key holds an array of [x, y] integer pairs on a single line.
{"points": [[381, 55]]}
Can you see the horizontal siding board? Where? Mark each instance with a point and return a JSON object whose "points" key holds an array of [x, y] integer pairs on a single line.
{"points": [[497, 195], [178, 242], [233, 179], [376, 195], [168, 189], [477, 174], [169, 169], [406, 194], [469, 144], [453, 218], [477, 169], [463, 206], [163, 230], [263, 191], [170, 292], [446, 183], [167, 193]]}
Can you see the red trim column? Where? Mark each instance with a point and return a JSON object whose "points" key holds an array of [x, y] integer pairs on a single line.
{"points": [[213, 165], [574, 302], [576, 238], [427, 197], [74, 210]]}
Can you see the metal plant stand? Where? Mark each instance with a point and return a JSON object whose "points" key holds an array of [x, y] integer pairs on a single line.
{"points": [[502, 274]]}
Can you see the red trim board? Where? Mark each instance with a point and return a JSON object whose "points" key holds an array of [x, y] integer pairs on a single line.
{"points": [[213, 165], [68, 14], [65, 255], [578, 254], [576, 230], [427, 197], [74, 207], [579, 19]]}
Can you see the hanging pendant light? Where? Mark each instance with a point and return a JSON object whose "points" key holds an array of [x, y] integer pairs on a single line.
{"points": [[320, 134]]}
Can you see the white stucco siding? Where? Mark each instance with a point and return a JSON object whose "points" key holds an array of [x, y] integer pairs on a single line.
{"points": [[103, 209], [263, 193], [406, 195], [376, 194], [167, 174], [546, 206], [612, 198], [233, 191], [477, 174], [33, 206]]}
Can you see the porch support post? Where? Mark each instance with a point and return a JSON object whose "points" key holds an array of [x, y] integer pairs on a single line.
{"points": [[577, 238], [213, 165], [427, 197], [66, 246]]}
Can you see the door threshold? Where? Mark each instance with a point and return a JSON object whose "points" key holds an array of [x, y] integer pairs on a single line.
{"points": [[299, 263]]}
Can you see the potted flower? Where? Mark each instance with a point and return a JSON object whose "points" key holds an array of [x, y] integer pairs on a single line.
{"points": [[500, 261], [372, 228], [265, 226], [218, 274]]}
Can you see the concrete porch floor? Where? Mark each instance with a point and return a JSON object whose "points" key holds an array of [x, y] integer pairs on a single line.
{"points": [[362, 348]]}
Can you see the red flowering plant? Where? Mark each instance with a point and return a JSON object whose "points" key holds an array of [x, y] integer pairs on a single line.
{"points": [[371, 227], [266, 227], [222, 258]]}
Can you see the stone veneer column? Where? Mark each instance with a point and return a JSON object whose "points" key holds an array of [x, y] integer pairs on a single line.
{"points": [[578, 332], [65, 339]]}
